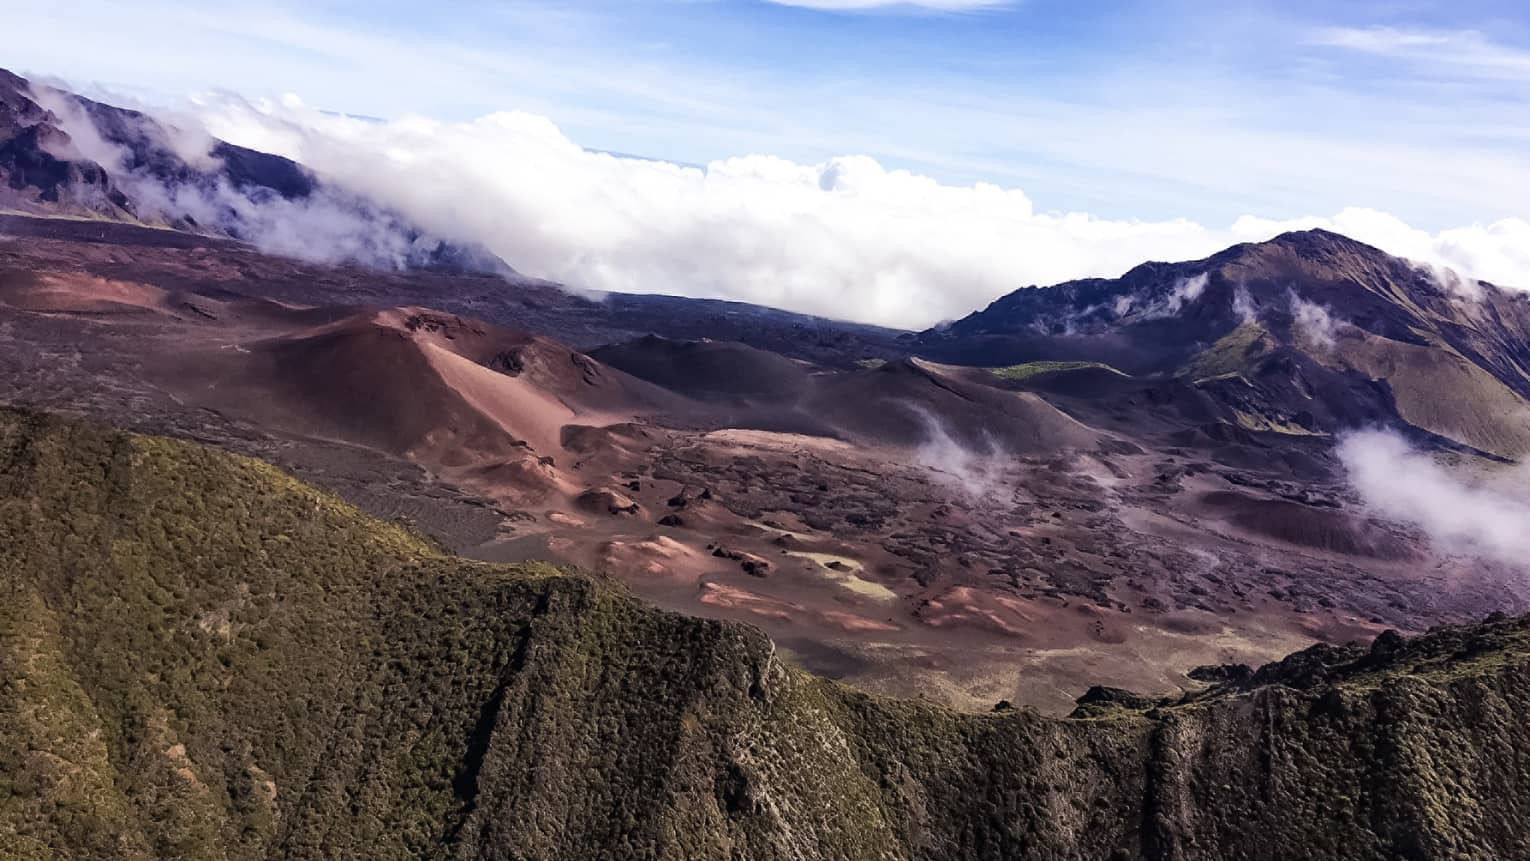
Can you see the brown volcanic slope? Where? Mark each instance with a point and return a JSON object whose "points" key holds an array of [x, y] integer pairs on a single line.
{"points": [[902, 403], [488, 388], [714, 370], [1078, 548], [461, 397], [908, 402]]}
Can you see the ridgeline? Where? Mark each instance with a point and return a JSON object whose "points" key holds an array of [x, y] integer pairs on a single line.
{"points": [[201, 657]]}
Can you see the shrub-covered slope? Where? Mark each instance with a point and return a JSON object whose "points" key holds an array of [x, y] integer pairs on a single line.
{"points": [[201, 657]]}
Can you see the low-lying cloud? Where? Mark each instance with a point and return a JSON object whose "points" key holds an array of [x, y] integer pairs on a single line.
{"points": [[846, 238], [1314, 322], [328, 225], [1184, 292], [1461, 514], [977, 474], [1244, 306]]}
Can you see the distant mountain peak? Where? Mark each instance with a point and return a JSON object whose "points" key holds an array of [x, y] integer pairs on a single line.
{"points": [[1335, 316], [1237, 280], [1317, 237]]}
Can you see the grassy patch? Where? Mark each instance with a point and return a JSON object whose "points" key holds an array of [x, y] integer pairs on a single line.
{"points": [[1031, 369], [1231, 354], [1255, 422]]}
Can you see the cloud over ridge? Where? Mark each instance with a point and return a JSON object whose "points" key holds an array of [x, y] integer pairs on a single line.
{"points": [[1487, 517], [845, 238]]}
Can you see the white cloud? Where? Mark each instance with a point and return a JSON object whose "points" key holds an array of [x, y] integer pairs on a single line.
{"points": [[1244, 306], [1461, 515], [1314, 322], [1184, 292], [845, 238], [977, 474]]}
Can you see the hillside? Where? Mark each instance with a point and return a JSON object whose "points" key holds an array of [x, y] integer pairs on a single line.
{"points": [[204, 658], [1310, 332]]}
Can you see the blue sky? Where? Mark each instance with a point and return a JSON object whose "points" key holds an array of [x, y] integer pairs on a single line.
{"points": [[895, 163], [1123, 109]]}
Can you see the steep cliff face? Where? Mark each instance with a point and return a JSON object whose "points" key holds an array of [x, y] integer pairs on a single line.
{"points": [[201, 657], [36, 173], [65, 155]]}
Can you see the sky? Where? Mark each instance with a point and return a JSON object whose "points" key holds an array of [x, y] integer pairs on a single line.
{"points": [[894, 162]]}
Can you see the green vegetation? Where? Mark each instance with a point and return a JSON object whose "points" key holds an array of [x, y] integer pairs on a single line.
{"points": [[201, 657], [1255, 422], [1439, 390], [1231, 354], [1031, 369]]}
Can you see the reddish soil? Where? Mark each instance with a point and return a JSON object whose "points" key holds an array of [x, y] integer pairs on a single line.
{"points": [[1030, 556]]}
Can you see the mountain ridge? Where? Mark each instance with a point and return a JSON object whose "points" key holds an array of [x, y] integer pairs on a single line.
{"points": [[432, 707], [1310, 332]]}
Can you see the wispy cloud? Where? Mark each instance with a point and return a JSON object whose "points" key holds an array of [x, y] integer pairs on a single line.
{"points": [[873, 5], [978, 474], [1459, 513], [1460, 50]]}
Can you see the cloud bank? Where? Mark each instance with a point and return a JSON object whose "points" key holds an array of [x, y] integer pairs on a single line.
{"points": [[845, 238], [325, 225], [1490, 518]]}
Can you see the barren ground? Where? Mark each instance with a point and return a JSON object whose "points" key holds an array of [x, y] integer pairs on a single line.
{"points": [[1056, 556]]}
